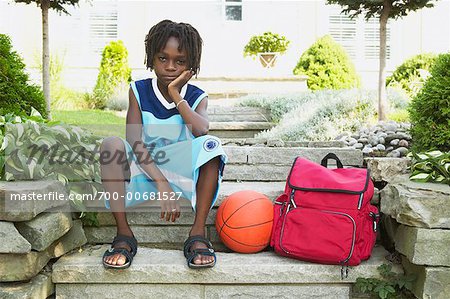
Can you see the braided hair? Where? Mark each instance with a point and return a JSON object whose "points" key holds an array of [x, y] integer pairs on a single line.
{"points": [[188, 37]]}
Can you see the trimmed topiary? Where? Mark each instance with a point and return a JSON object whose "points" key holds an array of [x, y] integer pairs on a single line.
{"points": [[114, 70], [327, 66], [430, 109], [17, 95], [408, 75]]}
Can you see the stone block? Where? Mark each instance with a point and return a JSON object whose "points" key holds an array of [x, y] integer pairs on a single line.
{"points": [[326, 144], [431, 282], [135, 291], [417, 204], [19, 267], [236, 154], [74, 238], [240, 126], [387, 169], [144, 234], [12, 240], [40, 286], [286, 156], [24, 210], [155, 266], [278, 291], [424, 246], [45, 229], [256, 172]]}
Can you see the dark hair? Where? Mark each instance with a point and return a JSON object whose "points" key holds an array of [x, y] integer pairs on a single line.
{"points": [[188, 37]]}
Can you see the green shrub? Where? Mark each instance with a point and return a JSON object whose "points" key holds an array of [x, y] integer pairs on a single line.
{"points": [[430, 167], [17, 95], [408, 77], [430, 109], [72, 156], [267, 42], [327, 66], [113, 71]]}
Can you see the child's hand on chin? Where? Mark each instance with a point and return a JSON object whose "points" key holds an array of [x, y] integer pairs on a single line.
{"points": [[178, 83]]}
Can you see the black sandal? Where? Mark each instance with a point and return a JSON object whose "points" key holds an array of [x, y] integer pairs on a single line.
{"points": [[130, 241], [190, 255]]}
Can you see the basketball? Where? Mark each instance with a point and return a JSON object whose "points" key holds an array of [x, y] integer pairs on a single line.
{"points": [[244, 221]]}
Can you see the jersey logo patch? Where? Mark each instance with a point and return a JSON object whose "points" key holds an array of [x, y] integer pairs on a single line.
{"points": [[210, 144]]}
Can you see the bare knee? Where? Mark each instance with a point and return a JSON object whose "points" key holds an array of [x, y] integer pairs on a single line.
{"points": [[112, 152], [112, 144]]}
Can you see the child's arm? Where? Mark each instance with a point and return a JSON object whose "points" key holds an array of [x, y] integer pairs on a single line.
{"points": [[198, 119], [134, 138]]}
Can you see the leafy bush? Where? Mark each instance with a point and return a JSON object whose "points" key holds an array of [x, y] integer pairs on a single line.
{"points": [[430, 109], [391, 285], [114, 70], [319, 115], [430, 167], [409, 75], [72, 156], [268, 42], [327, 66], [17, 95]]}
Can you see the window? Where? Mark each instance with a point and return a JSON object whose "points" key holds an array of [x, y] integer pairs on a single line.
{"points": [[372, 39], [360, 38], [343, 31], [102, 25], [233, 10]]}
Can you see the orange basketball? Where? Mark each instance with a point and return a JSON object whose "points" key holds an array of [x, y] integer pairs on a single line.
{"points": [[244, 221]]}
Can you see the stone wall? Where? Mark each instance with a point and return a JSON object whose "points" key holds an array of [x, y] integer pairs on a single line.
{"points": [[33, 234], [417, 222]]}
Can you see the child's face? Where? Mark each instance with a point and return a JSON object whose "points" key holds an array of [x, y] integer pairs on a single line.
{"points": [[169, 63]]}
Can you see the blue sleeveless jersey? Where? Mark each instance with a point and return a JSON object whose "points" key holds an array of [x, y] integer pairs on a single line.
{"points": [[178, 154]]}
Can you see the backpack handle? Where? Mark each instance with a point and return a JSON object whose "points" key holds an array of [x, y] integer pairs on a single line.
{"points": [[333, 156]]}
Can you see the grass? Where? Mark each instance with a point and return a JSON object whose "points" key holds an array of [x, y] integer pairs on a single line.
{"points": [[99, 122]]}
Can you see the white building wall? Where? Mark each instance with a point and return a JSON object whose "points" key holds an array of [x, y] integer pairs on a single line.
{"points": [[302, 22]]}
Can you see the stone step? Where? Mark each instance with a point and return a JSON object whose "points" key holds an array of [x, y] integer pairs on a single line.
{"points": [[253, 163], [416, 204], [270, 189], [81, 275], [238, 114], [40, 286], [238, 129], [149, 229]]}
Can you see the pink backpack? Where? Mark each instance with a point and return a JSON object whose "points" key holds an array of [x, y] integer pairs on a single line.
{"points": [[325, 215]]}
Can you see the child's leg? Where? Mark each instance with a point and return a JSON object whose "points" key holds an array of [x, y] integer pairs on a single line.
{"points": [[114, 173], [206, 188]]}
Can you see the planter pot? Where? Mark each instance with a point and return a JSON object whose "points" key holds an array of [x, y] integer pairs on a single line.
{"points": [[268, 59]]}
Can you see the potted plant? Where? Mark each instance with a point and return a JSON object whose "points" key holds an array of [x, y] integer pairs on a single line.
{"points": [[267, 47]]}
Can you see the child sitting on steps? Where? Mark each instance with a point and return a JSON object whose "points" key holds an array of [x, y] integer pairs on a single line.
{"points": [[168, 152]]}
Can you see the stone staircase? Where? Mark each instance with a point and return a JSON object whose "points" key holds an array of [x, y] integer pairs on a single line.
{"points": [[237, 122], [159, 269]]}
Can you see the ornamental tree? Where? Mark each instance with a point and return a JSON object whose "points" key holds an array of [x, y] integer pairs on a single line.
{"points": [[45, 5], [384, 10]]}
